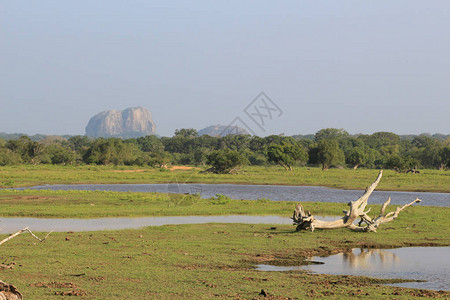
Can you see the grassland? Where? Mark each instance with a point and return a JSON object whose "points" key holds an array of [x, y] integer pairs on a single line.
{"points": [[200, 261], [208, 261], [28, 175], [99, 204]]}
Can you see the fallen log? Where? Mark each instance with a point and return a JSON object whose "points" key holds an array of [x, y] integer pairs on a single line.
{"points": [[26, 229], [9, 292], [305, 220]]}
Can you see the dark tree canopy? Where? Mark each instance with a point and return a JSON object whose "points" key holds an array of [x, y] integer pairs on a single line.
{"points": [[329, 153], [225, 161], [330, 147], [286, 154]]}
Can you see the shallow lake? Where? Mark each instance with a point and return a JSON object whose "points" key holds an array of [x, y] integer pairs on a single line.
{"points": [[272, 192], [418, 263], [10, 225]]}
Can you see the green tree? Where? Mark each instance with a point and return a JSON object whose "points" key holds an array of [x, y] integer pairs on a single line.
{"points": [[28, 150], [329, 154], [8, 157], [225, 161], [357, 157], [330, 133], [186, 132], [445, 157], [236, 142], [59, 154], [397, 163], [286, 154], [112, 151], [150, 143]]}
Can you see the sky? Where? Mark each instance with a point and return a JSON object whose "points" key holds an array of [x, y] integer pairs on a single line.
{"points": [[364, 66]]}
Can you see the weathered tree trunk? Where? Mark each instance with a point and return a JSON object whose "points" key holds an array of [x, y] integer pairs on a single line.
{"points": [[9, 292], [26, 229], [305, 220]]}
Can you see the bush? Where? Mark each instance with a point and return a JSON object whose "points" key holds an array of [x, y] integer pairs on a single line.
{"points": [[225, 161]]}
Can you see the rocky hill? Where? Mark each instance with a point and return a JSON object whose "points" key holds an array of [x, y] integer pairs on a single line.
{"points": [[128, 123], [222, 130]]}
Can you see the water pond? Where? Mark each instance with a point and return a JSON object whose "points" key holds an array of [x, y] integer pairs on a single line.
{"points": [[272, 192], [10, 225], [431, 264]]}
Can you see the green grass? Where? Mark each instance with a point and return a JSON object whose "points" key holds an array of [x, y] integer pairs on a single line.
{"points": [[209, 261], [201, 261], [28, 175], [98, 204]]}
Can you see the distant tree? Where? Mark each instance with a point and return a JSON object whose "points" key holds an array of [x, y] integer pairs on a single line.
{"points": [[8, 157], [286, 154], [28, 150], [329, 153], [445, 157], [200, 156], [278, 139], [150, 143], [236, 142], [397, 163], [186, 132], [257, 144], [330, 133], [225, 161], [160, 159], [112, 151], [59, 154], [175, 144], [357, 157], [79, 143], [380, 139]]}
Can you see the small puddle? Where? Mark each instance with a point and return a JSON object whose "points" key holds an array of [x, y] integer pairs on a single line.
{"points": [[431, 264], [270, 268], [10, 225]]}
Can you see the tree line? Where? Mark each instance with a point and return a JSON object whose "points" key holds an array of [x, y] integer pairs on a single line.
{"points": [[328, 148]]}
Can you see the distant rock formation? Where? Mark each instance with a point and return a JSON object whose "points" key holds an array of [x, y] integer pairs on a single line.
{"points": [[222, 130], [128, 123]]}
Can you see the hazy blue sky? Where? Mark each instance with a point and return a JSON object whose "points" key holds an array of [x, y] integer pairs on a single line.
{"points": [[364, 66]]}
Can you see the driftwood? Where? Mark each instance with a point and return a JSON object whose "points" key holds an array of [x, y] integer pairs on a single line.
{"points": [[305, 220], [26, 229], [8, 291]]}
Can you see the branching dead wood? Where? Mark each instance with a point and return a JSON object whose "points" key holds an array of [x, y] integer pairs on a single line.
{"points": [[9, 292], [305, 220], [26, 229]]}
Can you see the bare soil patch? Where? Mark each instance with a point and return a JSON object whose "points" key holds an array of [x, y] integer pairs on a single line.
{"points": [[172, 168], [33, 198], [55, 284], [128, 171]]}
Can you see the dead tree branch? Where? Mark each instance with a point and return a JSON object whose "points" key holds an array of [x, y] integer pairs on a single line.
{"points": [[26, 229], [9, 292], [305, 220]]}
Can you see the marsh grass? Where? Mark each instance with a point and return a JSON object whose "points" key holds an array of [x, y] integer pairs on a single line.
{"points": [[201, 261], [29, 175], [207, 261], [98, 204]]}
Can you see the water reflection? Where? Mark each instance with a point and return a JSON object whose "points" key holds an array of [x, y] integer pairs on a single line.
{"points": [[417, 263], [431, 265], [367, 257]]}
